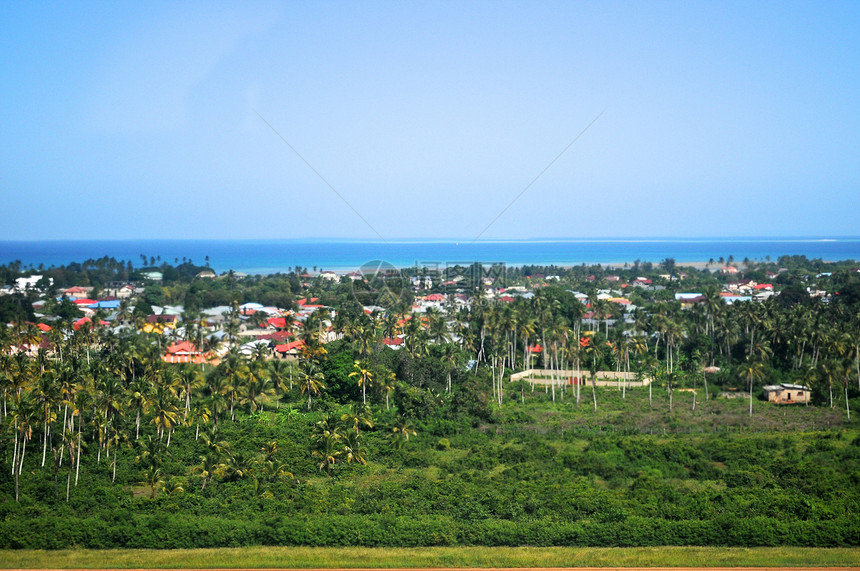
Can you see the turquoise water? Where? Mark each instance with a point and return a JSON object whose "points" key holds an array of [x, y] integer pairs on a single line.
{"points": [[270, 256]]}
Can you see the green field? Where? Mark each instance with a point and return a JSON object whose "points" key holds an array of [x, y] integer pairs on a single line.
{"points": [[435, 557]]}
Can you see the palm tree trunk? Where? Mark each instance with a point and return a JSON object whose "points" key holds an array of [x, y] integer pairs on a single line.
{"points": [[594, 391], [23, 449], [45, 442], [751, 391]]}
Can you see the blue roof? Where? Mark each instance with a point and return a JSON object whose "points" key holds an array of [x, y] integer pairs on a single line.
{"points": [[110, 304]]}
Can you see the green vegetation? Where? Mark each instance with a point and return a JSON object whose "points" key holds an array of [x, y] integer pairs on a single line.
{"points": [[428, 557], [353, 443]]}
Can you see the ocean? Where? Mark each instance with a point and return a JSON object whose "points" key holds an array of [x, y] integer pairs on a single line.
{"points": [[272, 256]]}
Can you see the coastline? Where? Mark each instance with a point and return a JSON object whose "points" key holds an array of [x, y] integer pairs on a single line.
{"points": [[274, 256]]}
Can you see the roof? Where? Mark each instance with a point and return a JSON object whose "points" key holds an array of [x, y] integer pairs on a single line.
{"points": [[84, 320], [182, 347], [289, 346], [105, 303], [277, 336], [161, 319]]}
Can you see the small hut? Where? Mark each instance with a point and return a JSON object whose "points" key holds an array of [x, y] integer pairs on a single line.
{"points": [[787, 394]]}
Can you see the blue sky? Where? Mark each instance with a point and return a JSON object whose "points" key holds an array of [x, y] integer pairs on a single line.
{"points": [[139, 120]]}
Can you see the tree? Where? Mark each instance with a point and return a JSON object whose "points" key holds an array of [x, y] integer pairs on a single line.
{"points": [[364, 376], [753, 371], [311, 380], [327, 439], [401, 431]]}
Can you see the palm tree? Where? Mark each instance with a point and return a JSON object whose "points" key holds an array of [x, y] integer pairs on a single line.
{"points": [[327, 440], [353, 451], [357, 415], [753, 371], [365, 377], [209, 467], [401, 431], [165, 409], [153, 479], [311, 380], [258, 387]]}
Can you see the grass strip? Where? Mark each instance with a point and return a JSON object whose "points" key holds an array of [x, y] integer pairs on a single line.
{"points": [[432, 557]]}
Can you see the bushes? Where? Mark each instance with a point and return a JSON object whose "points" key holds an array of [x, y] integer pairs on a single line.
{"points": [[176, 532]]}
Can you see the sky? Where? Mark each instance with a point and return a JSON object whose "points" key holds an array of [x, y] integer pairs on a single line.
{"points": [[510, 120]]}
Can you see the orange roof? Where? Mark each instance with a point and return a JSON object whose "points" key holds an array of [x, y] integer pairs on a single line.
{"points": [[182, 347], [535, 349], [43, 326]]}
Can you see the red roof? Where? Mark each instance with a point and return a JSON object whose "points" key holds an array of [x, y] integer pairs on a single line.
{"points": [[43, 326], [507, 298], [84, 301], [162, 319], [289, 346], [764, 286], [535, 349], [75, 289], [83, 320], [435, 297], [304, 301], [393, 341], [278, 322]]}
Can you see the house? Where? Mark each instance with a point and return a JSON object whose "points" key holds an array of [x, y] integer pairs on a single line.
{"points": [[393, 342], [183, 352], [787, 394], [290, 350], [157, 323], [77, 292]]}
